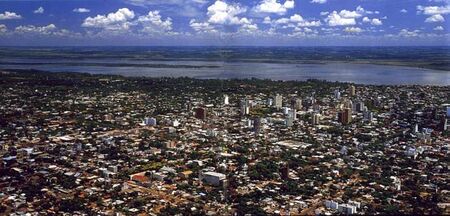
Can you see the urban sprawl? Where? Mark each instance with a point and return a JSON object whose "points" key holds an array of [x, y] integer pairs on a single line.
{"points": [[73, 143]]}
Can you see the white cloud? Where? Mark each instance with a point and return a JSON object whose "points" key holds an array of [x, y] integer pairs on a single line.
{"points": [[188, 8], [222, 13], [439, 28], [167, 2], [376, 22], [433, 10], [81, 10], [319, 1], [152, 23], [9, 15], [273, 6], [48, 29], [40, 10], [201, 26], [119, 20], [335, 19], [407, 33], [324, 13], [435, 18], [295, 20], [3, 28], [350, 14], [403, 11], [353, 30]]}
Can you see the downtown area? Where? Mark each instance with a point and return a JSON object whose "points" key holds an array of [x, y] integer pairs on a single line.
{"points": [[81, 144]]}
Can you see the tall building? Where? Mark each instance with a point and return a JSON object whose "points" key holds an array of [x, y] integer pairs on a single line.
{"points": [[244, 107], [298, 104], [200, 113], [284, 172], [345, 116], [352, 90], [292, 113], [225, 100], [337, 94], [368, 116], [360, 107], [316, 119], [257, 124], [278, 101]]}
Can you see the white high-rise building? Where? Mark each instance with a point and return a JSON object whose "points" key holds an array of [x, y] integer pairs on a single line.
{"points": [[278, 101], [337, 94], [226, 100]]}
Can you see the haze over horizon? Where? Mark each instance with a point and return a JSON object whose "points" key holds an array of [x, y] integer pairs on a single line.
{"points": [[224, 23]]}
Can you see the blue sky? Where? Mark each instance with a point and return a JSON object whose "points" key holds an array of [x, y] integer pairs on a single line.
{"points": [[225, 22]]}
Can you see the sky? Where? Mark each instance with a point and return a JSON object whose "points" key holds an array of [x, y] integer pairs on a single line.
{"points": [[224, 23]]}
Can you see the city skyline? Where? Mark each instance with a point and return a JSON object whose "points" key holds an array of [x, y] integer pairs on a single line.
{"points": [[225, 23]]}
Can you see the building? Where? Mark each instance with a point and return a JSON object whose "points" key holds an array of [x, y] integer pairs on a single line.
{"points": [[337, 94], [278, 101], [244, 107], [149, 121], [331, 204], [296, 103], [284, 171], [352, 90], [347, 209], [345, 116], [368, 116], [360, 107], [257, 124], [200, 113], [226, 100], [292, 113], [316, 119], [212, 178]]}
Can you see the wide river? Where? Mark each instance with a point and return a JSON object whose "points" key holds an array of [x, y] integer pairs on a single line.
{"points": [[342, 72]]}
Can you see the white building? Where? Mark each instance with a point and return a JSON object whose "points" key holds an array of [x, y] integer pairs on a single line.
{"points": [[278, 101], [226, 100], [212, 178], [347, 209]]}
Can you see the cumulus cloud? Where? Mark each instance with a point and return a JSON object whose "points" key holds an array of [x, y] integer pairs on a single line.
{"points": [[120, 20], [273, 6], [433, 10], [374, 21], [40, 10], [294, 21], [353, 30], [204, 27], [46, 30], [9, 15], [188, 8], [153, 23], [81, 10], [336, 19], [319, 1], [439, 28], [3, 28], [407, 33], [226, 14], [435, 18], [403, 11]]}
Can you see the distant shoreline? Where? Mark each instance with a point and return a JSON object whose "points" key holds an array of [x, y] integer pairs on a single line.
{"points": [[40, 73]]}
